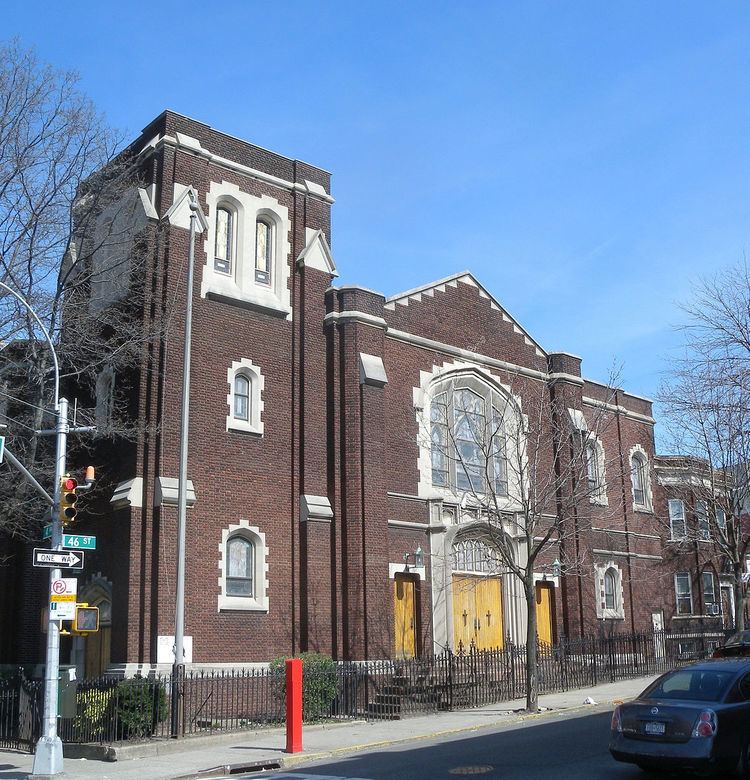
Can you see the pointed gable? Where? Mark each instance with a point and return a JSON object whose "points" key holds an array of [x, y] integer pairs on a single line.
{"points": [[317, 253], [459, 311]]}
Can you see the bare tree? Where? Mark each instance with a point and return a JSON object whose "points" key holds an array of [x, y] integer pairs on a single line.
{"points": [[706, 404], [525, 469], [68, 243]]}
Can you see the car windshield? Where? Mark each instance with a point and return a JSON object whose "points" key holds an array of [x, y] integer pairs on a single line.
{"points": [[694, 684], [740, 638]]}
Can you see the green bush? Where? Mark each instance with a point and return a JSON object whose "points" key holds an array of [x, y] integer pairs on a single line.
{"points": [[141, 705], [93, 713], [319, 683]]}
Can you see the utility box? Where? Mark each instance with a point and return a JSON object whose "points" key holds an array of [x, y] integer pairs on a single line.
{"points": [[66, 691]]}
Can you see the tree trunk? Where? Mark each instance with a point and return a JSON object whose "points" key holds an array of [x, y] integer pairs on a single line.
{"points": [[532, 681], [739, 597]]}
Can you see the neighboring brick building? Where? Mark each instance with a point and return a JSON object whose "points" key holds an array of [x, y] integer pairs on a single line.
{"points": [[697, 530], [324, 515]]}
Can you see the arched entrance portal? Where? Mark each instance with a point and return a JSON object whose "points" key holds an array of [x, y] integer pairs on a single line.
{"points": [[477, 595]]}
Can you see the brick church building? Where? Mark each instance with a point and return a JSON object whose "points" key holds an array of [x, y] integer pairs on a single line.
{"points": [[325, 509]]}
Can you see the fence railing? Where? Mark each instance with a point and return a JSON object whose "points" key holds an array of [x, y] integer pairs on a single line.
{"points": [[109, 709]]}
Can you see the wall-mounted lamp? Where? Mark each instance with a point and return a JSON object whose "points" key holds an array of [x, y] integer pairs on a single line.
{"points": [[418, 556]]}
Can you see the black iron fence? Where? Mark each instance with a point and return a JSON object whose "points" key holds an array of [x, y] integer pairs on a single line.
{"points": [[20, 711], [111, 709]]}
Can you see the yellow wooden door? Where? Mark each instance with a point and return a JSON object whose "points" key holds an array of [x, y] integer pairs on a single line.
{"points": [[96, 658], [405, 617], [477, 612], [544, 612], [464, 611], [489, 614]]}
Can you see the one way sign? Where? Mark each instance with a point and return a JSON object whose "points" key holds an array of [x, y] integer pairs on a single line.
{"points": [[54, 559]]}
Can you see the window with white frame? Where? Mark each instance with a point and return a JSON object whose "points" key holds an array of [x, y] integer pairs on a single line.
{"points": [[247, 247], [243, 569], [721, 519], [701, 514], [677, 524], [245, 398], [639, 476], [468, 437], [710, 598], [609, 604], [683, 592]]}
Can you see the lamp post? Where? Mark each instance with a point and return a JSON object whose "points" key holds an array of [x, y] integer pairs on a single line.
{"points": [[178, 666], [48, 758]]}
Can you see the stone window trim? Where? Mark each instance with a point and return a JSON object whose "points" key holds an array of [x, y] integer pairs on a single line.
{"points": [[246, 368], [464, 375], [241, 286], [258, 601], [602, 571], [638, 459]]}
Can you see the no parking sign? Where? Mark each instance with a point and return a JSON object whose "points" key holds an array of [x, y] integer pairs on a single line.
{"points": [[62, 598]]}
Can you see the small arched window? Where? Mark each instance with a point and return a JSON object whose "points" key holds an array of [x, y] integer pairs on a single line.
{"points": [[224, 248], [242, 397], [610, 589], [639, 477], [592, 467], [240, 560], [263, 250]]}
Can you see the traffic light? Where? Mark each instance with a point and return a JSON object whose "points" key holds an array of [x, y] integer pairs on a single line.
{"points": [[68, 499], [86, 619]]}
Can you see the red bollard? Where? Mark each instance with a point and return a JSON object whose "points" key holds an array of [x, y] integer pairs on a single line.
{"points": [[293, 705]]}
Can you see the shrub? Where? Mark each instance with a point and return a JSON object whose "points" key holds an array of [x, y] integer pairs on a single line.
{"points": [[141, 705], [319, 683], [94, 713]]}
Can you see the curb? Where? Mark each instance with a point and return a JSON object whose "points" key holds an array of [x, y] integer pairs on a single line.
{"points": [[284, 762]]}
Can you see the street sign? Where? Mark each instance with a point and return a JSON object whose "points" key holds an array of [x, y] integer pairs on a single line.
{"points": [[62, 598], [78, 542], [72, 541], [53, 559]]}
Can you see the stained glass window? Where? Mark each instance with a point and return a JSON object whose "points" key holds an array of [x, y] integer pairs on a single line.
{"points": [[224, 241], [240, 552], [263, 251]]}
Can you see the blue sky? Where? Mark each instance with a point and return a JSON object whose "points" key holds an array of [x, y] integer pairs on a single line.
{"points": [[586, 160]]}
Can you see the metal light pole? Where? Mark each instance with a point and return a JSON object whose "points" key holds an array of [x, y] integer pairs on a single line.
{"points": [[178, 667], [48, 759]]}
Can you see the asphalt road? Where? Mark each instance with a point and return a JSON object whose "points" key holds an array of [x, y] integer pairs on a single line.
{"points": [[562, 748]]}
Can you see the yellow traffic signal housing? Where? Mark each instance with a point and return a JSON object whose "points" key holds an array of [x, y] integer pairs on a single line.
{"points": [[68, 498], [86, 620]]}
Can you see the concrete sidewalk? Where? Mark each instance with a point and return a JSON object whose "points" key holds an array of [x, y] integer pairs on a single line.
{"points": [[172, 759]]}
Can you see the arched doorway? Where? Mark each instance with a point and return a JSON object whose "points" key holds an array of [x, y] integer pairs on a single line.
{"points": [[477, 595], [96, 646]]}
